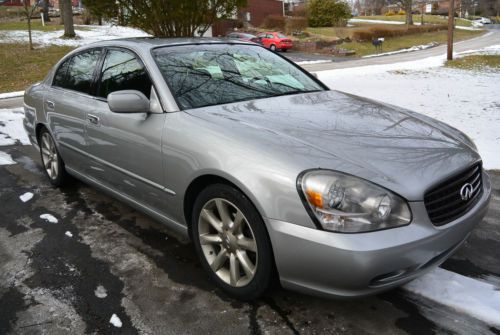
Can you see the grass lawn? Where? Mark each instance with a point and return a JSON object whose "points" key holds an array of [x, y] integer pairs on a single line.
{"points": [[476, 62], [390, 44], [35, 25], [18, 72], [436, 19]]}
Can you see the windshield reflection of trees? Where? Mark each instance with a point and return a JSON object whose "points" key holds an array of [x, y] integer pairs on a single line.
{"points": [[213, 77]]}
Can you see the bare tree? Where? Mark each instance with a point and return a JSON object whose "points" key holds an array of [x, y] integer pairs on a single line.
{"points": [[69, 27], [28, 10]]}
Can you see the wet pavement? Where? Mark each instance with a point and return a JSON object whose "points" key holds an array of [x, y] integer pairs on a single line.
{"points": [[121, 262]]}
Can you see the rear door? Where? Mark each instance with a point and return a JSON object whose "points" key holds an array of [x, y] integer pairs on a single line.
{"points": [[126, 148], [66, 104]]}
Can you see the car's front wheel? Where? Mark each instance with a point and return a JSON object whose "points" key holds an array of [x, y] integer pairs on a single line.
{"points": [[231, 241], [272, 47], [51, 160]]}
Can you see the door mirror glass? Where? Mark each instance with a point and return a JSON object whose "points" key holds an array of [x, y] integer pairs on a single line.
{"points": [[128, 101]]}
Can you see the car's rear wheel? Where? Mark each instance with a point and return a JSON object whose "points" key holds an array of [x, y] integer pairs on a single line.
{"points": [[284, 50], [272, 47], [231, 241], [53, 165]]}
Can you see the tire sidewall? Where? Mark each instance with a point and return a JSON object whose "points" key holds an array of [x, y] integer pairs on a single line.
{"points": [[263, 274]]}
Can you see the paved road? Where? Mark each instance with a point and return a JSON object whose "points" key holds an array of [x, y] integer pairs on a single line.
{"points": [[492, 37], [52, 283]]}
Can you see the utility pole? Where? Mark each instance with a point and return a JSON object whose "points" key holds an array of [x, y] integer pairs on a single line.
{"points": [[451, 21]]}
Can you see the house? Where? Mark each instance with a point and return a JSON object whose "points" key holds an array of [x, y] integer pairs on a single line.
{"points": [[253, 15], [53, 3]]}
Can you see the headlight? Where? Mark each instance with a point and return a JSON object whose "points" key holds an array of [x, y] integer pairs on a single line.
{"points": [[347, 204]]}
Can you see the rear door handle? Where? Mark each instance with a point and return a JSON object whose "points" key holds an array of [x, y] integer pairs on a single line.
{"points": [[93, 119], [50, 104]]}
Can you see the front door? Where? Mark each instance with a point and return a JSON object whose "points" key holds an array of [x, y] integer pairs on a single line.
{"points": [[126, 148]]}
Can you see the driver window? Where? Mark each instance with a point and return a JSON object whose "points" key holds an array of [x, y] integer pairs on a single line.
{"points": [[123, 71]]}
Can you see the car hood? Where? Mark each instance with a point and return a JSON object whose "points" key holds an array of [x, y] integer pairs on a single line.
{"points": [[401, 150]]}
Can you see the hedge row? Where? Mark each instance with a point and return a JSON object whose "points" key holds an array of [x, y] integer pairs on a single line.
{"points": [[289, 24], [377, 32]]}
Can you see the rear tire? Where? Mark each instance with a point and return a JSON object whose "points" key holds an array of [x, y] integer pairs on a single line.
{"points": [[52, 162], [284, 50], [232, 243]]}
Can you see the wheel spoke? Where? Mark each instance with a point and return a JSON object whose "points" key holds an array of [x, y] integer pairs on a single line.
{"points": [[55, 166], [238, 223], [234, 269], [223, 213], [45, 141], [52, 170], [210, 218], [219, 260], [247, 244], [246, 263], [46, 152], [210, 239]]}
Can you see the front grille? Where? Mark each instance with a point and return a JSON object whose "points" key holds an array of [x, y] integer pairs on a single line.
{"points": [[444, 202]]}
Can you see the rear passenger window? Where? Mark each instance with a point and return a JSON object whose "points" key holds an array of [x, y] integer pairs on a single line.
{"points": [[80, 72], [123, 71]]}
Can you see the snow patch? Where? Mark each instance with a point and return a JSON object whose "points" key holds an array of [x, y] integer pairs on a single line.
{"points": [[86, 35], [319, 61], [467, 295], [68, 233], [115, 321], [11, 127], [11, 95], [26, 197], [101, 292], [376, 21], [5, 158], [413, 48], [49, 218]]}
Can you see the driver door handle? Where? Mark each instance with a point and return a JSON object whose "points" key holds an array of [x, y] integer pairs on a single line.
{"points": [[93, 119], [50, 104]]}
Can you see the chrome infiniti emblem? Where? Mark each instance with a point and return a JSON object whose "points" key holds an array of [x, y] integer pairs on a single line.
{"points": [[466, 192]]}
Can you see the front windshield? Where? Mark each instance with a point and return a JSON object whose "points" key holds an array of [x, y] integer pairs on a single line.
{"points": [[214, 74]]}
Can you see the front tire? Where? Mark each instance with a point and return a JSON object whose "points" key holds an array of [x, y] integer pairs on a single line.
{"points": [[231, 241], [52, 163], [272, 47]]}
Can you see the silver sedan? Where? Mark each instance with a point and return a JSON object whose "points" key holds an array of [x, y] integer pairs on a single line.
{"points": [[268, 171]]}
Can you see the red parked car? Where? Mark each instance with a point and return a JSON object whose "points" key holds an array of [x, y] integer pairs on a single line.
{"points": [[275, 41]]}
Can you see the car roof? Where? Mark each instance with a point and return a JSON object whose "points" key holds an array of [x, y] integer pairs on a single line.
{"points": [[154, 42]]}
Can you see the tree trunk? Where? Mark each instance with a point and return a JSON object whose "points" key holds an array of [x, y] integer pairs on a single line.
{"points": [[408, 8], [45, 12], [69, 28], [61, 11], [29, 32]]}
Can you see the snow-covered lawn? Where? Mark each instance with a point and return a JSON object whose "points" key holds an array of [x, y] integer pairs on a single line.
{"points": [[86, 35], [466, 100]]}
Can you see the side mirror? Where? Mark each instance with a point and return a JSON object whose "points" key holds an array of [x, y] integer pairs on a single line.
{"points": [[314, 74], [128, 101]]}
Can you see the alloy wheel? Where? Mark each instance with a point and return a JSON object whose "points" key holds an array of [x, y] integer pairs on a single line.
{"points": [[228, 242], [49, 156]]}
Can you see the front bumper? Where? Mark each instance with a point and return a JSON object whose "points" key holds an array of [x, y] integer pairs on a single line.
{"points": [[349, 265]]}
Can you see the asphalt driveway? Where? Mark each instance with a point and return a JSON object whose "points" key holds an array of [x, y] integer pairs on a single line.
{"points": [[103, 258]]}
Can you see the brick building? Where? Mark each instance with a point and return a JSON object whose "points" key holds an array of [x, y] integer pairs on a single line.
{"points": [[253, 14]]}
